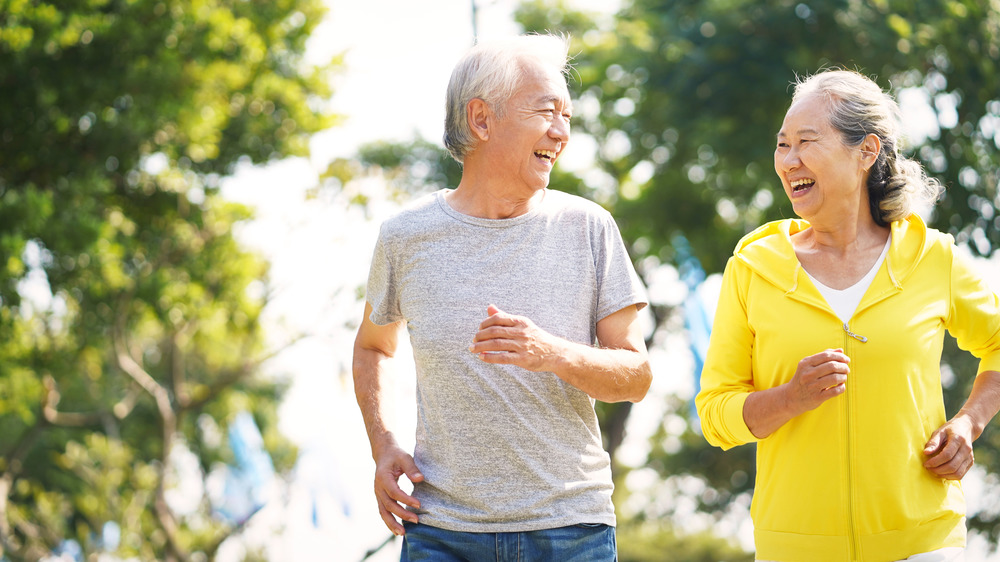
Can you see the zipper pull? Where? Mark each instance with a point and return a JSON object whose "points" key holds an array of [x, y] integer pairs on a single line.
{"points": [[858, 337]]}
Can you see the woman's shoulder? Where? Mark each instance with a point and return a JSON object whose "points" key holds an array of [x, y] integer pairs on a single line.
{"points": [[767, 251], [914, 233], [774, 235]]}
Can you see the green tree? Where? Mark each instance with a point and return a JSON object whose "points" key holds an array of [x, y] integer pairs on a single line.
{"points": [[129, 313]]}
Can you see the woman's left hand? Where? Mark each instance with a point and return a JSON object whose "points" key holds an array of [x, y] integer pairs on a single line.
{"points": [[949, 450]]}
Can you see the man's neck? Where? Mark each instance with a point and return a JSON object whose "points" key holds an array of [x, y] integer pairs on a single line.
{"points": [[488, 201]]}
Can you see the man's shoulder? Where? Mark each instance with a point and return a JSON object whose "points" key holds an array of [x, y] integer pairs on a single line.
{"points": [[413, 215], [567, 202]]}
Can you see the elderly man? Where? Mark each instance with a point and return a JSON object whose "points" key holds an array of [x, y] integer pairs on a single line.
{"points": [[521, 305]]}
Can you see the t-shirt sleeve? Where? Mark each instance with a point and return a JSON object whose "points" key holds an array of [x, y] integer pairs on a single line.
{"points": [[382, 293], [619, 285]]}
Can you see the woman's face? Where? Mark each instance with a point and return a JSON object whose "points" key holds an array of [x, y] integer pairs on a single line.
{"points": [[821, 175]]}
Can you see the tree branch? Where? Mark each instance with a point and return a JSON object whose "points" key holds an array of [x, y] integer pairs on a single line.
{"points": [[168, 419], [53, 416], [227, 379], [15, 459]]}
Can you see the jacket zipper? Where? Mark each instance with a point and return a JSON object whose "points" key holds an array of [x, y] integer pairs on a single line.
{"points": [[855, 540], [858, 337]]}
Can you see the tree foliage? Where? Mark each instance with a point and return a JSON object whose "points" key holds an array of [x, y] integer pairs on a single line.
{"points": [[129, 313]]}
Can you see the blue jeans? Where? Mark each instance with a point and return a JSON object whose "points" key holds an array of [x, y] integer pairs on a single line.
{"points": [[576, 543]]}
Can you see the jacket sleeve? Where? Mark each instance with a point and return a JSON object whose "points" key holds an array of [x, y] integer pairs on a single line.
{"points": [[974, 315], [727, 377]]}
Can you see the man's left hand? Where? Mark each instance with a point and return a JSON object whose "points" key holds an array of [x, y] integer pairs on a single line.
{"points": [[514, 340]]}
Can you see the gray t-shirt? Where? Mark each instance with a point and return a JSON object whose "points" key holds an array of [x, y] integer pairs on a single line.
{"points": [[503, 449]]}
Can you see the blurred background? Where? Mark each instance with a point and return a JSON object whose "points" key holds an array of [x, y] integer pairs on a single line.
{"points": [[190, 192]]}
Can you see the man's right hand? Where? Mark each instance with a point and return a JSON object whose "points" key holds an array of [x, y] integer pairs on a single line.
{"points": [[392, 463]]}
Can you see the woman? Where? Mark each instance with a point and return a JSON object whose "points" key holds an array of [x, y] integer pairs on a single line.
{"points": [[827, 343]]}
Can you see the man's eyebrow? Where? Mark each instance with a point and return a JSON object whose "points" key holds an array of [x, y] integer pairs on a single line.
{"points": [[554, 99]]}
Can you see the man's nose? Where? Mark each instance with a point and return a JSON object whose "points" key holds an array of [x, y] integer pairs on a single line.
{"points": [[560, 128]]}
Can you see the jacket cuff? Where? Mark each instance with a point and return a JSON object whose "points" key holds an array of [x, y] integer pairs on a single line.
{"points": [[735, 424]]}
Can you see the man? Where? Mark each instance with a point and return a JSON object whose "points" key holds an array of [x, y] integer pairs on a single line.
{"points": [[504, 286]]}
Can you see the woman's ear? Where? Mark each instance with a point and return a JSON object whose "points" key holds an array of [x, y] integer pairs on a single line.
{"points": [[480, 118], [870, 149]]}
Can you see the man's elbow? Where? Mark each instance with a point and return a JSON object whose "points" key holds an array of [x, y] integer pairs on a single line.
{"points": [[643, 380], [367, 358]]}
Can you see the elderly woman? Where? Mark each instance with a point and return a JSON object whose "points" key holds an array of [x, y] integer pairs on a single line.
{"points": [[827, 344]]}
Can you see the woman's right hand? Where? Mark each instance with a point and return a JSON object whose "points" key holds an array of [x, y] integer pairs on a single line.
{"points": [[817, 378]]}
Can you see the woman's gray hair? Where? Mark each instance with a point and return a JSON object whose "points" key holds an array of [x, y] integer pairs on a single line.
{"points": [[859, 107], [492, 71]]}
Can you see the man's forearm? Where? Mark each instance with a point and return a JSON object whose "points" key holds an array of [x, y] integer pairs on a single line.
{"points": [[608, 375], [615, 372], [369, 371]]}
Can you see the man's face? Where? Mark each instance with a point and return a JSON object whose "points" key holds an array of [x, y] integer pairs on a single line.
{"points": [[534, 129]]}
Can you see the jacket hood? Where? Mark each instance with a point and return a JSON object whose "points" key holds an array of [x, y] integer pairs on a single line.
{"points": [[769, 253]]}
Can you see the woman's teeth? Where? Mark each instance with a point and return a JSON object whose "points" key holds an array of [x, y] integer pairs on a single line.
{"points": [[802, 184]]}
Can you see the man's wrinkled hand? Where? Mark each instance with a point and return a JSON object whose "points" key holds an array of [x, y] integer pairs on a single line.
{"points": [[389, 467], [514, 340]]}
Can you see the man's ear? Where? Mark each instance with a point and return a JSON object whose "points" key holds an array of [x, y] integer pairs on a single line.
{"points": [[480, 118]]}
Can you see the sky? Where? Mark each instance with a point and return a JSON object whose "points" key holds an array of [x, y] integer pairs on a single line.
{"points": [[398, 56], [398, 64]]}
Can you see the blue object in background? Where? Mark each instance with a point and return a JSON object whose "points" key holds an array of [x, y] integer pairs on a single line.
{"points": [[69, 549], [111, 536], [697, 320], [248, 483]]}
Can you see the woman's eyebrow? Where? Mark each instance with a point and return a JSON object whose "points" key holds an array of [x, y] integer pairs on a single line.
{"points": [[800, 132]]}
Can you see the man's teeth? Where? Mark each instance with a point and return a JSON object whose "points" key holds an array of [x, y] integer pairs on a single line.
{"points": [[545, 154]]}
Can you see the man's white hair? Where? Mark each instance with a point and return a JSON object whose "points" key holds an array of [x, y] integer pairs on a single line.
{"points": [[492, 71]]}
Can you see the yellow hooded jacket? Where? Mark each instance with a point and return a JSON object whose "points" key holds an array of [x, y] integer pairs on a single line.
{"points": [[846, 481]]}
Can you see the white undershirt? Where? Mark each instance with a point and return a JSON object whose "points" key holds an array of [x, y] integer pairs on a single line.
{"points": [[845, 301]]}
